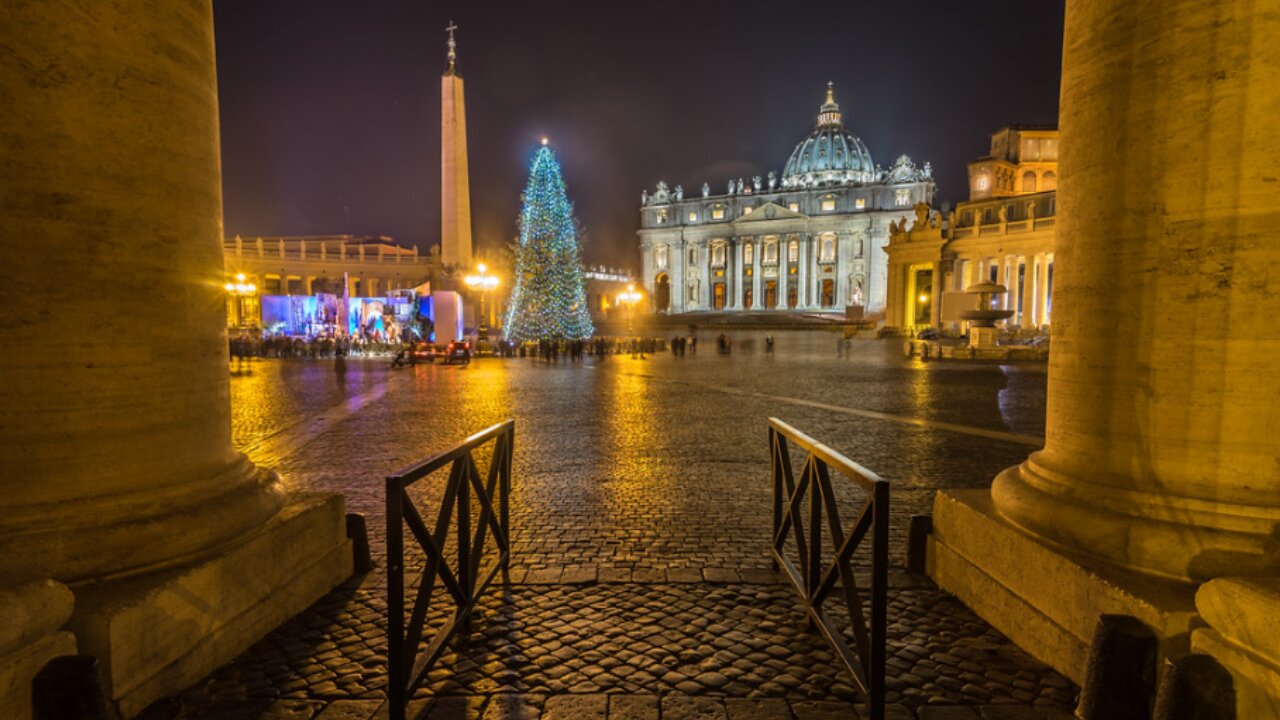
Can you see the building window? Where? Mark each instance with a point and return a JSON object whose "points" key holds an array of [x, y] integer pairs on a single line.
{"points": [[717, 212], [717, 255], [793, 251], [1028, 181], [661, 215], [771, 252], [827, 251], [981, 182], [748, 254], [860, 204], [660, 257], [795, 207], [746, 209], [693, 216], [693, 256], [902, 197], [1049, 181], [828, 204]]}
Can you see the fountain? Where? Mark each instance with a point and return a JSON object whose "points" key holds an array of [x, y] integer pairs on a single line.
{"points": [[982, 319]]}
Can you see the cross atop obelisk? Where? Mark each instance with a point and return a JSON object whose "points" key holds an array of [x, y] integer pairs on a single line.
{"points": [[453, 45]]}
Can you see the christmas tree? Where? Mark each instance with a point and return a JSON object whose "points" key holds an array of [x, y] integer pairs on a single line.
{"points": [[549, 300]]}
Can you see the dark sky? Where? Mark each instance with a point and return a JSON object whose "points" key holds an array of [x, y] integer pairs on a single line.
{"points": [[331, 108]]}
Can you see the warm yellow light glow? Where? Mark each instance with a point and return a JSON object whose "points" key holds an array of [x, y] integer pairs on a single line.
{"points": [[481, 268], [240, 277], [923, 298], [229, 287], [545, 140]]}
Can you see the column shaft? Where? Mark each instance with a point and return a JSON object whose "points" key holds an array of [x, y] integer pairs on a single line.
{"points": [[1160, 452]]}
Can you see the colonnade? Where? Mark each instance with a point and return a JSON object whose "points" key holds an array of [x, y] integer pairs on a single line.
{"points": [[1031, 300]]}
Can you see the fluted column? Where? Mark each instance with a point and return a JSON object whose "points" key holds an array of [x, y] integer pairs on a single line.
{"points": [[1160, 452], [117, 447]]}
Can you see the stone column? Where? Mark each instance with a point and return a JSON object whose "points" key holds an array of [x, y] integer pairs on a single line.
{"points": [[756, 300], [731, 274], [935, 298], [803, 274], [116, 442], [783, 271], [1160, 453]]}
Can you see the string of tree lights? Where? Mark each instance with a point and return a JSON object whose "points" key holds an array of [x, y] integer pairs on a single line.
{"points": [[549, 300]]}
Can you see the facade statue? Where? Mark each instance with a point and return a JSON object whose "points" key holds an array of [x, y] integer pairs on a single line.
{"points": [[1003, 213], [922, 216], [740, 185], [662, 195], [731, 187], [644, 197], [773, 179], [756, 183], [893, 227], [1031, 211], [706, 190], [926, 173], [679, 193], [855, 293]]}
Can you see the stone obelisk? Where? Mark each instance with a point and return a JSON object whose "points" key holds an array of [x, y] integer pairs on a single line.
{"points": [[455, 188]]}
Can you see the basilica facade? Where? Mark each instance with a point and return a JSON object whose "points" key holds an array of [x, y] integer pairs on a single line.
{"points": [[809, 239]]}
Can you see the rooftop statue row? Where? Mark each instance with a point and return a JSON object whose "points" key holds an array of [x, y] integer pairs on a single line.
{"points": [[904, 170]]}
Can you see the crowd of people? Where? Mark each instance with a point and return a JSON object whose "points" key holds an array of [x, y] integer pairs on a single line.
{"points": [[282, 346]]}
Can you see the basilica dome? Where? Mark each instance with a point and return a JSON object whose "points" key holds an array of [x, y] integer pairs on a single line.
{"points": [[830, 154]]}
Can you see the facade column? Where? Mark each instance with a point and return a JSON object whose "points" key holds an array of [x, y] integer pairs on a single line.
{"points": [[802, 277], [783, 270], [1040, 262], [730, 279], [120, 476], [756, 302], [935, 298]]}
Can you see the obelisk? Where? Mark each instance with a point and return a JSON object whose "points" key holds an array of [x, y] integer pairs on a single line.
{"points": [[455, 188]]}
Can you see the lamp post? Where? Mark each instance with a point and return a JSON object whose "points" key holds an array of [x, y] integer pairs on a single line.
{"points": [[482, 282], [629, 298], [238, 293]]}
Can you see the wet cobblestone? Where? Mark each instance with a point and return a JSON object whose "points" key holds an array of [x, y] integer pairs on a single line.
{"points": [[640, 514]]}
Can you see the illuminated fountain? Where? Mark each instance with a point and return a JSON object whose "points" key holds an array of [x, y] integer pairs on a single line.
{"points": [[982, 319]]}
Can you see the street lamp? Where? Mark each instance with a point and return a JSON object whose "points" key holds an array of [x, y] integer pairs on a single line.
{"points": [[630, 298], [483, 282], [239, 295]]}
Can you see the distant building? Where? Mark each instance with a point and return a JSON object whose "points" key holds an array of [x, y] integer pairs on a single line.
{"points": [[810, 239], [603, 286], [1003, 234], [372, 264]]}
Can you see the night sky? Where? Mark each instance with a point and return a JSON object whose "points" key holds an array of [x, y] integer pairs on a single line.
{"points": [[331, 108]]}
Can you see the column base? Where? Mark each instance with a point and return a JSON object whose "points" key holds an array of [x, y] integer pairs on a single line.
{"points": [[158, 634], [34, 614], [1244, 637], [1044, 599]]}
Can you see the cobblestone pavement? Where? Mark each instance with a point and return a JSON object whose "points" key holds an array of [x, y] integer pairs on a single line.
{"points": [[640, 584]]}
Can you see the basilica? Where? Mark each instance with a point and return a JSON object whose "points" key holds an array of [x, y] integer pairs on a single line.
{"points": [[809, 239]]}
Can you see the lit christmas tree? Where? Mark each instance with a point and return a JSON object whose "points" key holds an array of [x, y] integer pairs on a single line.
{"points": [[549, 300]]}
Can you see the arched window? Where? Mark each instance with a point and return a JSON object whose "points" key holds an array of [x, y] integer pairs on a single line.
{"points": [[771, 252], [717, 255], [827, 252], [793, 251], [748, 254], [1049, 181], [1029, 181]]}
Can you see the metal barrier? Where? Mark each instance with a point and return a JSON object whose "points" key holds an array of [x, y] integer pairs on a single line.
{"points": [[407, 667], [815, 582]]}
